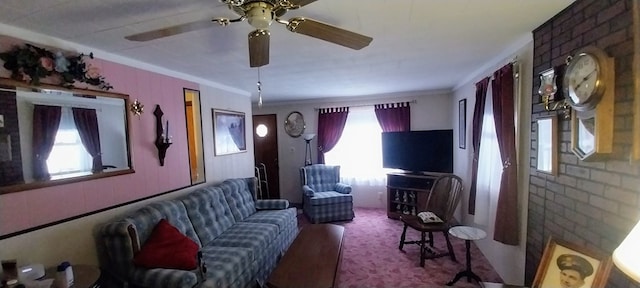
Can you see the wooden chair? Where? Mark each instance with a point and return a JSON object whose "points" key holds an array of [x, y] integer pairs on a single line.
{"points": [[442, 201]]}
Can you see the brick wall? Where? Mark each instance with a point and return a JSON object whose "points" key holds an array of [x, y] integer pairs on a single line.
{"points": [[10, 171], [593, 204]]}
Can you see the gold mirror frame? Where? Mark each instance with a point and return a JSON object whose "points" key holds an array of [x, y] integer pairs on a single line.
{"points": [[13, 84], [547, 144], [636, 80]]}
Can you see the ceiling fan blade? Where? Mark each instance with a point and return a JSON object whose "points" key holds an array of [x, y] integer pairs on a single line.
{"points": [[328, 33], [259, 48], [170, 31], [300, 3]]}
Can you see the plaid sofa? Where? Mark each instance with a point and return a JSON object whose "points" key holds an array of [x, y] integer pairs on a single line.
{"points": [[325, 199], [240, 238]]}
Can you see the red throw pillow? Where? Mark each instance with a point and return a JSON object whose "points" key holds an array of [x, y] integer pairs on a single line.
{"points": [[167, 248]]}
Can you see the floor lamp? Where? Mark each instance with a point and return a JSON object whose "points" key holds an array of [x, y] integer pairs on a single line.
{"points": [[307, 151]]}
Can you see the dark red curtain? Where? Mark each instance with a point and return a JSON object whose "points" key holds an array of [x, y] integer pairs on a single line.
{"points": [[331, 123], [506, 225], [86, 121], [478, 115], [46, 120], [394, 117]]}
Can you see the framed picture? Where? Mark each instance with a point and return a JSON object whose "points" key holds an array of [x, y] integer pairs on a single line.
{"points": [[564, 264], [228, 132], [462, 124], [547, 160]]}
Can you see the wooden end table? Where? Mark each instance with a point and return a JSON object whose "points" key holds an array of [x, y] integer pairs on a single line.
{"points": [[84, 276]]}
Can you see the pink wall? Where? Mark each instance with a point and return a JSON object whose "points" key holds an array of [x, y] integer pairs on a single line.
{"points": [[26, 209]]}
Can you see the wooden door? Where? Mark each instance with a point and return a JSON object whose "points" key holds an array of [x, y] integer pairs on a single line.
{"points": [[266, 151]]}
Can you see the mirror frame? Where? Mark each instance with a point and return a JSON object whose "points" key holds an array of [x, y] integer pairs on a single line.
{"points": [[553, 135], [10, 83]]}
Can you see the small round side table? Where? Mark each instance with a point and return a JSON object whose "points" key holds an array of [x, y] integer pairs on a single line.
{"points": [[468, 234]]}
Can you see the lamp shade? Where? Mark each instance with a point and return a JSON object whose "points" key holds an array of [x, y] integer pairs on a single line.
{"points": [[627, 255], [309, 136]]}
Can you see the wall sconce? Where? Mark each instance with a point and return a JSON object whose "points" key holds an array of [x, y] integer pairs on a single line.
{"points": [[163, 139], [136, 108], [307, 151], [548, 89], [626, 255]]}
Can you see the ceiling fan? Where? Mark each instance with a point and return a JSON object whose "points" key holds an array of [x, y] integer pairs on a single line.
{"points": [[260, 14]]}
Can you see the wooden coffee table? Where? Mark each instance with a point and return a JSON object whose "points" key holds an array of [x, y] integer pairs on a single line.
{"points": [[312, 260]]}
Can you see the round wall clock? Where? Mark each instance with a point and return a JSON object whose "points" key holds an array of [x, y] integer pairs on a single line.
{"points": [[294, 124], [585, 78]]}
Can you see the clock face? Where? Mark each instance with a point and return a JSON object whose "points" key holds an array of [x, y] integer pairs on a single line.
{"points": [[582, 78], [294, 124]]}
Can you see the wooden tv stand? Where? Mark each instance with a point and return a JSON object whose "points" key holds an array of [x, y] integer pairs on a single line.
{"points": [[408, 193]]}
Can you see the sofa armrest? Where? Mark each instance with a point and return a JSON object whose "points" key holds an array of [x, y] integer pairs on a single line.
{"points": [[343, 188], [121, 243], [272, 204], [307, 191]]}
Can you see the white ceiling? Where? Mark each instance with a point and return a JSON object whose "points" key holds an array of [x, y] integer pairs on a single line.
{"points": [[418, 45]]}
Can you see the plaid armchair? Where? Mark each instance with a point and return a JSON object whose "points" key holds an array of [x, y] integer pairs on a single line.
{"points": [[324, 198]]}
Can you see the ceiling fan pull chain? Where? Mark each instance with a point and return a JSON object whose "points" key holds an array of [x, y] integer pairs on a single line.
{"points": [[259, 89]]}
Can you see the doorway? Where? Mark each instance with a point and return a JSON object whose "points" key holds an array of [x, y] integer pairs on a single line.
{"points": [[265, 146]]}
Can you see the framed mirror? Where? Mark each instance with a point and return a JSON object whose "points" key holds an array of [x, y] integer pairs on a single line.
{"points": [[57, 136], [192, 113], [547, 148]]}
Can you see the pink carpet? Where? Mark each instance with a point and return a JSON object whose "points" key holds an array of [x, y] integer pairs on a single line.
{"points": [[371, 257]]}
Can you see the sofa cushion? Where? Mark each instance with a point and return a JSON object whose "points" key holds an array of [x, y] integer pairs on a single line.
{"points": [[226, 264], [167, 248], [209, 213], [146, 218], [325, 198], [239, 197], [255, 236], [281, 218]]}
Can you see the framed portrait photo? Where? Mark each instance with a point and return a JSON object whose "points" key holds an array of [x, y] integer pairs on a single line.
{"points": [[229, 135], [564, 264]]}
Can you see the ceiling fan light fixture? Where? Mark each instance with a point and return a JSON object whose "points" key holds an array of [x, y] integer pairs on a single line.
{"points": [[260, 15]]}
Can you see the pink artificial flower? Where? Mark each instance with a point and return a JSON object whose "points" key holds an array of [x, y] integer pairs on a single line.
{"points": [[46, 63], [93, 72]]}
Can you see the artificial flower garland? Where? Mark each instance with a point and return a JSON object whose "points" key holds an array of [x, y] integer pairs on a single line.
{"points": [[30, 64]]}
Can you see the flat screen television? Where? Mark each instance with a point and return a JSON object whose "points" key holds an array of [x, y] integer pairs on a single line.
{"points": [[418, 151]]}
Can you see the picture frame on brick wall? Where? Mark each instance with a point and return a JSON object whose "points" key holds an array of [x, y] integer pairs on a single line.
{"points": [[566, 264], [547, 144], [462, 124]]}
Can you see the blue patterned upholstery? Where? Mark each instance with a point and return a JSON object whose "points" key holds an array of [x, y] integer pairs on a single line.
{"points": [[209, 213], [145, 219], [325, 199], [239, 197], [225, 265], [164, 278], [237, 253], [268, 204], [277, 217]]}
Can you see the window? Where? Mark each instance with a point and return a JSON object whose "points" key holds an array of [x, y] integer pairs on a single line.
{"points": [[489, 166], [359, 150], [68, 155]]}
